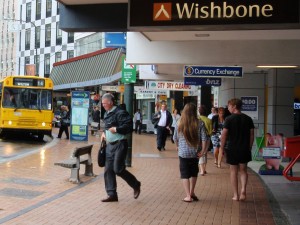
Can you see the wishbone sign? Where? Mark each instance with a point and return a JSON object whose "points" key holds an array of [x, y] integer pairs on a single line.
{"points": [[162, 10]]}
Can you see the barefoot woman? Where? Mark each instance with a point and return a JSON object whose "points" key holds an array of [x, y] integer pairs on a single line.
{"points": [[238, 134]]}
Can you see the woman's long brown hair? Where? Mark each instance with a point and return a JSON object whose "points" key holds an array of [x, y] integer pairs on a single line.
{"points": [[189, 124]]}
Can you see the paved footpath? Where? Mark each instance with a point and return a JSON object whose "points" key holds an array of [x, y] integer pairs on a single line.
{"points": [[34, 191]]}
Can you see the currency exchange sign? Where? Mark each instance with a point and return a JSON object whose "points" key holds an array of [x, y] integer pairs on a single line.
{"points": [[213, 71]]}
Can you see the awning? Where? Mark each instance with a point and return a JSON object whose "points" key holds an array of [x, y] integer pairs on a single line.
{"points": [[96, 68]]}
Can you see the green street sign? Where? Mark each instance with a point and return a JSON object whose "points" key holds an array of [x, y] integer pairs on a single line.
{"points": [[128, 72]]}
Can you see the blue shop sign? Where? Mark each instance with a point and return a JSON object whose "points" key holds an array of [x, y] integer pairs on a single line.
{"points": [[214, 71], [202, 81]]}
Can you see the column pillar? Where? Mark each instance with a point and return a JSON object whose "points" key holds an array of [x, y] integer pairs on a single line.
{"points": [[128, 100], [280, 97]]}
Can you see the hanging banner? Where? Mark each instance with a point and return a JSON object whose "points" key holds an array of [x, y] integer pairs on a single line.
{"points": [[202, 81], [213, 71], [128, 72], [80, 103]]}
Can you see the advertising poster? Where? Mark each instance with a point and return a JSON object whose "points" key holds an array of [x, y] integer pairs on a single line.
{"points": [[250, 106], [79, 116]]}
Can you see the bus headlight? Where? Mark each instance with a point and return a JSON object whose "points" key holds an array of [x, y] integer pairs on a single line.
{"points": [[43, 124], [9, 122]]}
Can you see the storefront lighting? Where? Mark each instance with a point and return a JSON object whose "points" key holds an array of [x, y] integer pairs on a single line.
{"points": [[277, 66]]}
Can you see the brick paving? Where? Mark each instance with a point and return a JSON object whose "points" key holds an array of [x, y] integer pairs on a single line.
{"points": [[57, 201]]}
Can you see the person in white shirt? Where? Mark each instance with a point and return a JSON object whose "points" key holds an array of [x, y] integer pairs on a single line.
{"points": [[214, 111], [163, 126], [137, 119]]}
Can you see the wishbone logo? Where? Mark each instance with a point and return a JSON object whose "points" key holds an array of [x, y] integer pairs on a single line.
{"points": [[162, 11]]}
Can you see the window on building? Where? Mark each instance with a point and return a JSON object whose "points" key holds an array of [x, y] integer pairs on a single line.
{"points": [[71, 37], [88, 44], [27, 39], [37, 37], [57, 8], [28, 12], [37, 64], [48, 8], [38, 10], [48, 35], [57, 56], [47, 64], [70, 54], [58, 34], [27, 61]]}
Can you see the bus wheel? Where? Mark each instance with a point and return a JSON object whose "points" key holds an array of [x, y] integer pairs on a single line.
{"points": [[40, 137]]}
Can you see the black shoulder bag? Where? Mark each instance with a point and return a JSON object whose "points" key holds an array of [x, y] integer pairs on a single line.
{"points": [[101, 154]]}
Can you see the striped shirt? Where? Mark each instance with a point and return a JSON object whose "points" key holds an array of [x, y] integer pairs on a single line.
{"points": [[184, 150]]}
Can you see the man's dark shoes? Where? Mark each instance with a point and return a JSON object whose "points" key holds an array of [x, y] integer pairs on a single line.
{"points": [[137, 191], [113, 198], [159, 148]]}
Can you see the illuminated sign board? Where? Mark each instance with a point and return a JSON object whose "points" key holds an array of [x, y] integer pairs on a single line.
{"points": [[213, 71], [170, 13], [29, 82]]}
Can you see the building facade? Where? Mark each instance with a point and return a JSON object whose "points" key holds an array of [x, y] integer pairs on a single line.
{"points": [[8, 38], [41, 42]]}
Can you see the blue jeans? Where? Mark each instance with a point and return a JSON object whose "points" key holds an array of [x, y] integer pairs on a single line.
{"points": [[115, 165]]}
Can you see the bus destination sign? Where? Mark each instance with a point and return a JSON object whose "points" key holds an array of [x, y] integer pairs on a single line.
{"points": [[29, 82]]}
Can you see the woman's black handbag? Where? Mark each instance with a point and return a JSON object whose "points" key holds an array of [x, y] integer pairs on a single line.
{"points": [[101, 154]]}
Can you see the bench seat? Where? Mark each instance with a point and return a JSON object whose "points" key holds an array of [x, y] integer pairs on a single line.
{"points": [[81, 155]]}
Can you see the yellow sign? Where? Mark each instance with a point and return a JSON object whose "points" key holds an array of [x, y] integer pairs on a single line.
{"points": [[163, 98], [121, 89]]}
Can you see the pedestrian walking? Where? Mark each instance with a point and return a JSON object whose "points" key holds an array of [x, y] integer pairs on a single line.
{"points": [[217, 126], [237, 140], [190, 134], [175, 119], [138, 119], [64, 121], [118, 123], [163, 126], [208, 125], [96, 116]]}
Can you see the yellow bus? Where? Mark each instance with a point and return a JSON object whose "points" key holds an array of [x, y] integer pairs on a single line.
{"points": [[26, 105]]}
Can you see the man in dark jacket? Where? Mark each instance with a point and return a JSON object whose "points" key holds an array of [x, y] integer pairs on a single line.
{"points": [[118, 123], [163, 126], [96, 116]]}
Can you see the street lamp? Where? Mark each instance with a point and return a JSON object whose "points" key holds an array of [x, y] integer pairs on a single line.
{"points": [[34, 40]]}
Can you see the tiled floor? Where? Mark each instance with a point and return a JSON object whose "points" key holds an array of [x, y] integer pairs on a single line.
{"points": [[56, 201]]}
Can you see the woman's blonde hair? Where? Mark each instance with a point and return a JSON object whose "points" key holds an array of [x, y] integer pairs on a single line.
{"points": [[189, 124]]}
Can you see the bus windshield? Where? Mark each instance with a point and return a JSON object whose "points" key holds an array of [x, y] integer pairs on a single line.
{"points": [[27, 98]]}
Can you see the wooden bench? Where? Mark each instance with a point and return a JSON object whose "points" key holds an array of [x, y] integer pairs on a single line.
{"points": [[75, 160], [94, 128]]}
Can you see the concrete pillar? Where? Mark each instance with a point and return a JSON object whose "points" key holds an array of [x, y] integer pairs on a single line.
{"points": [[280, 97], [128, 100]]}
